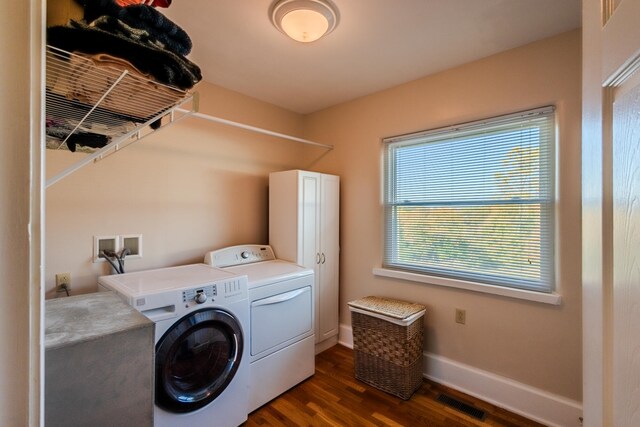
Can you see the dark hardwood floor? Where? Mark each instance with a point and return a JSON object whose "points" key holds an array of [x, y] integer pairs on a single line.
{"points": [[333, 397]]}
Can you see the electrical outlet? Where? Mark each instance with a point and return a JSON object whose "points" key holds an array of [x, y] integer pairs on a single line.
{"points": [[461, 316], [63, 279]]}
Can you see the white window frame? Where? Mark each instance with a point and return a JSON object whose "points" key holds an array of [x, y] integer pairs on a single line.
{"points": [[504, 289]]}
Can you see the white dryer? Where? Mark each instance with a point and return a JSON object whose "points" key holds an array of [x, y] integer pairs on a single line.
{"points": [[281, 298], [201, 317]]}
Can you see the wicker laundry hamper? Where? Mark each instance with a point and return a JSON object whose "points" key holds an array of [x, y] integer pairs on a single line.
{"points": [[387, 344]]}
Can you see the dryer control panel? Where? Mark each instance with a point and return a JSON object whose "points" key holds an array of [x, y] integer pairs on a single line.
{"points": [[239, 255]]}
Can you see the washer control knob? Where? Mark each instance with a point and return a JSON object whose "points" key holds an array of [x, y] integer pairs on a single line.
{"points": [[201, 297], [244, 254]]}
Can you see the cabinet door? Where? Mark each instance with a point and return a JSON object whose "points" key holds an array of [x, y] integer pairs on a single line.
{"points": [[328, 289], [308, 233], [309, 221]]}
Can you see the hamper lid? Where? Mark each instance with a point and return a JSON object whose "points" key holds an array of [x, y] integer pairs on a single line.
{"points": [[388, 307]]}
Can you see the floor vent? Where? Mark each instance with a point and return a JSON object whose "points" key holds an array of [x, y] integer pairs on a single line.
{"points": [[454, 403]]}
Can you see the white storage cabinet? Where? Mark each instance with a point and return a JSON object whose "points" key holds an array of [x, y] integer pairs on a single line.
{"points": [[304, 228]]}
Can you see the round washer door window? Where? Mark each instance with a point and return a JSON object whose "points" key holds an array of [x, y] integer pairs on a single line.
{"points": [[196, 359]]}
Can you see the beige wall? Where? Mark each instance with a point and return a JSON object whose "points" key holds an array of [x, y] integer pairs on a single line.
{"points": [[190, 188], [533, 343], [15, 309], [198, 186]]}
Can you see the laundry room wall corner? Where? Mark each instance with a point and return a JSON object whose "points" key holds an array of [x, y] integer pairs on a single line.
{"points": [[187, 189], [516, 339]]}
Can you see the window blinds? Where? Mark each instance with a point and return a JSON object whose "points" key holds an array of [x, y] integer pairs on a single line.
{"points": [[474, 202]]}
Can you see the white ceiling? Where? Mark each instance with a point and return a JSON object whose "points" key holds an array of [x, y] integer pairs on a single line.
{"points": [[377, 44]]}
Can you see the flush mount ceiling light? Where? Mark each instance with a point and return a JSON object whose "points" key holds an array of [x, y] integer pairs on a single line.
{"points": [[304, 20]]}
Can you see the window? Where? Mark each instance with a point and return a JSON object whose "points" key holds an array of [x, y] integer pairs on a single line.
{"points": [[474, 202]]}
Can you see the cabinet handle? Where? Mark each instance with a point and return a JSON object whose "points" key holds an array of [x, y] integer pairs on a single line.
{"points": [[323, 259], [318, 258]]}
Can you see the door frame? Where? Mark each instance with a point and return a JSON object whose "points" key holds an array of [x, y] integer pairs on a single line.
{"points": [[36, 27], [609, 57]]}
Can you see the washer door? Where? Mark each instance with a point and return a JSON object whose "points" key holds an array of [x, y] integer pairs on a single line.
{"points": [[196, 359]]}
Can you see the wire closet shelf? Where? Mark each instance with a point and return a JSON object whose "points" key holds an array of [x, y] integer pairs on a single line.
{"points": [[98, 104]]}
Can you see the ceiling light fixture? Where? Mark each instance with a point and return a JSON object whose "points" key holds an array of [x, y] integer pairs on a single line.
{"points": [[304, 20]]}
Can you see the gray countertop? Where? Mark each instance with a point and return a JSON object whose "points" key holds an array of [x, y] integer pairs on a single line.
{"points": [[81, 318]]}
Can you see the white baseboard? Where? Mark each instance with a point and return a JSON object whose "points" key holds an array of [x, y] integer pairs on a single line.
{"points": [[328, 343], [530, 402], [345, 336]]}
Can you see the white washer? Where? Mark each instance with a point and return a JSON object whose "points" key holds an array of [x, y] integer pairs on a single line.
{"points": [[201, 317], [281, 302]]}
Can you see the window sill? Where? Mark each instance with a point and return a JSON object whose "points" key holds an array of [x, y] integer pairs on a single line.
{"points": [[552, 298]]}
